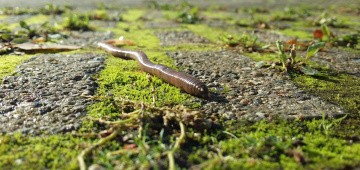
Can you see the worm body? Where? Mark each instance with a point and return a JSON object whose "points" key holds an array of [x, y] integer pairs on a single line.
{"points": [[181, 80]]}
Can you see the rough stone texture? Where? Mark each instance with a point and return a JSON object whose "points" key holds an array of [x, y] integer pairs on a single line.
{"points": [[168, 38], [340, 60], [49, 93], [244, 91], [161, 24], [270, 37], [86, 38]]}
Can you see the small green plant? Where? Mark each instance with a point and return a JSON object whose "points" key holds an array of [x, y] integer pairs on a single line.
{"points": [[78, 22], [313, 49], [289, 61], [248, 42], [325, 29], [5, 35], [282, 56], [326, 125], [324, 18], [188, 13], [53, 9], [30, 31], [189, 16]]}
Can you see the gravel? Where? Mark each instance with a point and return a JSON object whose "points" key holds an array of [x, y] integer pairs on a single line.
{"points": [[49, 93]]}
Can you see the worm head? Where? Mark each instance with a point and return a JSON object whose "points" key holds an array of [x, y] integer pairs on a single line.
{"points": [[203, 92]]}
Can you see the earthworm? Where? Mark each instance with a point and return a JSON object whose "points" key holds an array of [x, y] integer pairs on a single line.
{"points": [[181, 80]]}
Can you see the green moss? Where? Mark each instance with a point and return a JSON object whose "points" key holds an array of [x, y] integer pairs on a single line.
{"points": [[37, 19], [123, 78], [281, 145], [170, 15], [212, 34], [133, 15], [43, 152], [296, 33], [3, 16], [348, 20], [8, 64], [144, 39], [342, 89], [79, 22]]}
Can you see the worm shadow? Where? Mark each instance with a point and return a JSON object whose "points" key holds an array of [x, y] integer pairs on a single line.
{"points": [[216, 97]]}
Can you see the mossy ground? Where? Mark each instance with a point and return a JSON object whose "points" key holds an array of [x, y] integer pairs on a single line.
{"points": [[276, 144]]}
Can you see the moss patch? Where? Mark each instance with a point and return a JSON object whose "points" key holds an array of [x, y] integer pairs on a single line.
{"points": [[133, 15], [280, 145], [8, 64], [124, 79], [297, 33], [37, 19], [212, 34], [341, 89], [54, 152]]}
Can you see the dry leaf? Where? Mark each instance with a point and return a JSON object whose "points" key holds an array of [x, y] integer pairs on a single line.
{"points": [[318, 34], [44, 48]]}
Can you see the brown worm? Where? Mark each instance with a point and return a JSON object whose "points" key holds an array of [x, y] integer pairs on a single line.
{"points": [[181, 80]]}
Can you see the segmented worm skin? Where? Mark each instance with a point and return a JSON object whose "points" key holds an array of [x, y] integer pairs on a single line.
{"points": [[181, 80]]}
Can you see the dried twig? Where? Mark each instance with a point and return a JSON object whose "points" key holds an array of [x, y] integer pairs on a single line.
{"points": [[117, 129]]}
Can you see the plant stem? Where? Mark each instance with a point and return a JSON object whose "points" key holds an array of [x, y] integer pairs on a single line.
{"points": [[178, 141]]}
